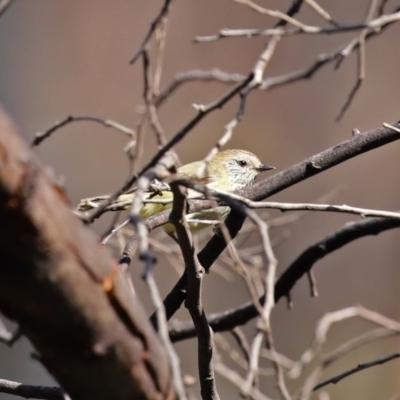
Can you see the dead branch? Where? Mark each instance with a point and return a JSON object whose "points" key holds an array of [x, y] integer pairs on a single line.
{"points": [[41, 136], [30, 391], [66, 292], [195, 272]]}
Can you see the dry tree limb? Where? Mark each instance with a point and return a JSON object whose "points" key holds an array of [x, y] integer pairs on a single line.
{"points": [[195, 272], [236, 379], [360, 61], [153, 27], [66, 292], [360, 367], [320, 11], [352, 344], [41, 136], [214, 75], [30, 391]]}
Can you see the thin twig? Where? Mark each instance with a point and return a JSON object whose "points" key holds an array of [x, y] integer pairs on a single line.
{"points": [[346, 347], [30, 391], [264, 323], [320, 11], [197, 75], [40, 136], [312, 283], [153, 26], [235, 378], [241, 340], [233, 354], [360, 61], [164, 335], [360, 367]]}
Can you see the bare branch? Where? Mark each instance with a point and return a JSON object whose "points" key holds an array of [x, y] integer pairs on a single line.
{"points": [[30, 391], [153, 26], [40, 136], [360, 60], [195, 272], [164, 335], [320, 11], [81, 319], [235, 378], [360, 367], [197, 75]]}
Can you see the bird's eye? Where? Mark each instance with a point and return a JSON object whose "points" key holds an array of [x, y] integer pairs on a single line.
{"points": [[242, 163]]}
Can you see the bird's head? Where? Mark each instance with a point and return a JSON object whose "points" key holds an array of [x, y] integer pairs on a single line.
{"points": [[236, 168]]}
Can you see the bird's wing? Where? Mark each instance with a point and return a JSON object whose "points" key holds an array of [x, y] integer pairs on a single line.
{"points": [[189, 172]]}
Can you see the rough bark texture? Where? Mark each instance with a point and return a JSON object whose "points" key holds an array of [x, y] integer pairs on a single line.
{"points": [[66, 292]]}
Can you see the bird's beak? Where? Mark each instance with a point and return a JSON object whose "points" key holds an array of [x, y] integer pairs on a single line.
{"points": [[265, 167]]}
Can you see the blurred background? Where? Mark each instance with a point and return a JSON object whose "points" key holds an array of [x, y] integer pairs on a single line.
{"points": [[71, 58]]}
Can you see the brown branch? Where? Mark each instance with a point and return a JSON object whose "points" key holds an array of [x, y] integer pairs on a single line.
{"points": [[41, 136], [360, 367], [153, 26], [196, 75], [30, 391], [66, 292], [194, 272], [360, 62]]}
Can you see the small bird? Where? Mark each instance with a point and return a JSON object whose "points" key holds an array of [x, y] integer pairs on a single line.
{"points": [[228, 171]]}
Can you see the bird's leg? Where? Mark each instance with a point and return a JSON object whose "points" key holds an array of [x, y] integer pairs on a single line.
{"points": [[217, 231], [157, 187]]}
